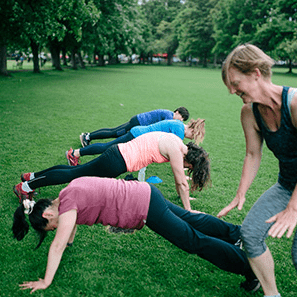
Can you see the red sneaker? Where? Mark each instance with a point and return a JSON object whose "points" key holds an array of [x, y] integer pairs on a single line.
{"points": [[25, 176], [72, 160], [21, 194]]}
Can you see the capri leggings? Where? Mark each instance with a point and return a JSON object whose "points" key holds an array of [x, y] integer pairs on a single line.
{"points": [[109, 164], [115, 132], [254, 229], [99, 148], [204, 235]]}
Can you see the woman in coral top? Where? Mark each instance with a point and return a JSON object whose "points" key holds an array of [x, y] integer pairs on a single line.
{"points": [[129, 204], [153, 147]]}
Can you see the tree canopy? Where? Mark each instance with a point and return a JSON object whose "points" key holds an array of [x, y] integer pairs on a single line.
{"points": [[206, 30]]}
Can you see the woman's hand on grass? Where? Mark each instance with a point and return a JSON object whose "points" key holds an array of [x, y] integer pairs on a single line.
{"points": [[237, 201]]}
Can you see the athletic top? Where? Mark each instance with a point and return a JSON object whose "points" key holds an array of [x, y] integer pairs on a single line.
{"points": [[142, 151], [108, 201], [154, 116], [170, 126], [283, 142]]}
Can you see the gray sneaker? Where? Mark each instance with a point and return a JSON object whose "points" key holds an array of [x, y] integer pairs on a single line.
{"points": [[84, 142]]}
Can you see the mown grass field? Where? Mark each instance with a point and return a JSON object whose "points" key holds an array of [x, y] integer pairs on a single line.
{"points": [[42, 116]]}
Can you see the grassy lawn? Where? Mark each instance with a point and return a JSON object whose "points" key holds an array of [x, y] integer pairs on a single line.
{"points": [[42, 116]]}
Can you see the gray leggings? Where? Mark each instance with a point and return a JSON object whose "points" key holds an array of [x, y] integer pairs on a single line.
{"points": [[254, 230]]}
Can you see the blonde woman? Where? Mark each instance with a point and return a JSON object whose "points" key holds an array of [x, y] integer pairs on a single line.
{"points": [[269, 113]]}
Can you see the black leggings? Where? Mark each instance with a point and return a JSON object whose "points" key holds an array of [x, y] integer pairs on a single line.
{"points": [[109, 164], [115, 132], [204, 235]]}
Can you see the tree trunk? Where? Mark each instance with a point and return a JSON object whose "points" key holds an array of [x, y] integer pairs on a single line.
{"points": [[3, 60], [34, 47], [81, 61], [73, 59], [55, 52], [290, 66], [101, 60], [169, 59], [64, 57]]}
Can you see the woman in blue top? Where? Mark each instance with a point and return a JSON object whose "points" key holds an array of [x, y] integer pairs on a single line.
{"points": [[142, 119], [194, 129], [269, 113]]}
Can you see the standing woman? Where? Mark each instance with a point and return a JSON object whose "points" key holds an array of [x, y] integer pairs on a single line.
{"points": [[269, 113], [153, 147], [129, 204]]}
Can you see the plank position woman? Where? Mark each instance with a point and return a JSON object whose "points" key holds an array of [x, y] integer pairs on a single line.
{"points": [[129, 204], [154, 147], [141, 119], [195, 129]]}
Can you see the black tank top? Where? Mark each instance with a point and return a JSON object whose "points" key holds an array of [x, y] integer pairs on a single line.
{"points": [[283, 143]]}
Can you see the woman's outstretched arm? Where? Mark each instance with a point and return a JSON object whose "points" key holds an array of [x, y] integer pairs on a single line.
{"points": [[67, 222]]}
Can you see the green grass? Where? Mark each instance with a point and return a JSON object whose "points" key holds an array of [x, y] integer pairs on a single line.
{"points": [[42, 116]]}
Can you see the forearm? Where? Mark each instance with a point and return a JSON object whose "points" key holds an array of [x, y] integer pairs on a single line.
{"points": [[249, 171], [54, 258], [184, 194]]}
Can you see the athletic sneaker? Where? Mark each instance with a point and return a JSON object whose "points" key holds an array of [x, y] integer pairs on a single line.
{"points": [[72, 160], [84, 142], [21, 194], [25, 176], [251, 286], [239, 243], [112, 229]]}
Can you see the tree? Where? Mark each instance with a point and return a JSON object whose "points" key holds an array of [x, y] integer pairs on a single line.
{"points": [[160, 15], [10, 30], [166, 40], [196, 30]]}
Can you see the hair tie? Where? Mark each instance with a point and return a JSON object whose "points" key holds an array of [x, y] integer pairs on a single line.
{"points": [[28, 205]]}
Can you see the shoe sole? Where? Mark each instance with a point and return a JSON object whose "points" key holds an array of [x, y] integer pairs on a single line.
{"points": [[22, 178], [81, 139], [31, 194], [66, 154], [17, 194]]}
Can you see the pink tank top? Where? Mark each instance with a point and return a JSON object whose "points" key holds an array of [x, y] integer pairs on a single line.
{"points": [[142, 151]]}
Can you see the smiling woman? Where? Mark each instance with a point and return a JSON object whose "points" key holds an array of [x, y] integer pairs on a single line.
{"points": [[270, 114]]}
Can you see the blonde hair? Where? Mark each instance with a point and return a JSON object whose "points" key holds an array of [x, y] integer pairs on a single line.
{"points": [[198, 127], [245, 58]]}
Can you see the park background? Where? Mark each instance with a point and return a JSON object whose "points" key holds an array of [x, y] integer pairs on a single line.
{"points": [[82, 32], [178, 48]]}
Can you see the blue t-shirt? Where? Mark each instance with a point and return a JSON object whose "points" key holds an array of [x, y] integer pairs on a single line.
{"points": [[170, 126], [154, 116]]}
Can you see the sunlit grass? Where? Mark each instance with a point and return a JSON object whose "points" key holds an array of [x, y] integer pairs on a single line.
{"points": [[42, 116]]}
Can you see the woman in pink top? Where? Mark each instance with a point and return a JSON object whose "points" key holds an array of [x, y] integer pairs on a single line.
{"points": [[128, 204], [153, 147]]}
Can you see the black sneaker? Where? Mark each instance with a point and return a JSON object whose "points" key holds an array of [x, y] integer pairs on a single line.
{"points": [[84, 142], [251, 286], [112, 229]]}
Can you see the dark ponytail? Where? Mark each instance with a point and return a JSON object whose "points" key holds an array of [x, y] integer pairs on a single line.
{"points": [[20, 225], [200, 162]]}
